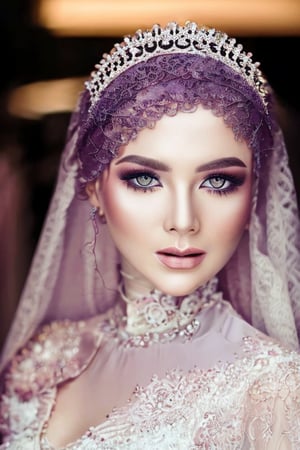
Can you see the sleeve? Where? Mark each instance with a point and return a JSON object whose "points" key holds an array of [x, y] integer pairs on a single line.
{"points": [[59, 351]]}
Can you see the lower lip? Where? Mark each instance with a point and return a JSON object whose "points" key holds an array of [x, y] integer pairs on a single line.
{"points": [[180, 262]]}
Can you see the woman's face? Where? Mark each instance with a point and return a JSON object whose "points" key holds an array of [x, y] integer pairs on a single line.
{"points": [[177, 200]]}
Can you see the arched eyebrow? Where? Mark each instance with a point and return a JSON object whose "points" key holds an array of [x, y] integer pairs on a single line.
{"points": [[154, 164], [143, 161], [221, 164]]}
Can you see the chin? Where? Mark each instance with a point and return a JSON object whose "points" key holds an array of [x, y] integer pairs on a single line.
{"points": [[182, 283], [180, 292], [179, 288]]}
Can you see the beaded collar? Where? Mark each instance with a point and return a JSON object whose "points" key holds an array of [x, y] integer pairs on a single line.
{"points": [[160, 317]]}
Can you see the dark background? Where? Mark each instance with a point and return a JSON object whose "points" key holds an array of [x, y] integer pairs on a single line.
{"points": [[33, 147]]}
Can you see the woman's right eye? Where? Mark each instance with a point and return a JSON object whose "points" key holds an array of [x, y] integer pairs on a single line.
{"points": [[141, 181], [144, 180]]}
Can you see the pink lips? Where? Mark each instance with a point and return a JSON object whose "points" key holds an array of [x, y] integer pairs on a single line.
{"points": [[173, 258]]}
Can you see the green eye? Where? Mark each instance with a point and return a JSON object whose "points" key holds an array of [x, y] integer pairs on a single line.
{"points": [[222, 183], [144, 180], [140, 180], [217, 182]]}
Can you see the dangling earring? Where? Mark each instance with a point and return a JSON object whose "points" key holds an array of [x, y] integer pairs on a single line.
{"points": [[93, 214]]}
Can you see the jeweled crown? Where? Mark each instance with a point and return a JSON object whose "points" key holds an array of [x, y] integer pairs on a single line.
{"points": [[174, 38]]}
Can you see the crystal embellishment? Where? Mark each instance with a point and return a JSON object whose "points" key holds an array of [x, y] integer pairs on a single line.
{"points": [[174, 38]]}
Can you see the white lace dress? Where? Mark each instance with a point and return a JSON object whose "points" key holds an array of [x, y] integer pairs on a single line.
{"points": [[217, 384]]}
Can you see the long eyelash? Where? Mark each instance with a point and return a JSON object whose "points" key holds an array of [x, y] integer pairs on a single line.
{"points": [[128, 176], [137, 188], [235, 181]]}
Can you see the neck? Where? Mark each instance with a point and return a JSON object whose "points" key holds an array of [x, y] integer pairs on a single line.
{"points": [[134, 285]]}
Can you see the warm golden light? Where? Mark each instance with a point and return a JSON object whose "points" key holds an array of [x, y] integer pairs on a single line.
{"points": [[33, 101], [118, 17]]}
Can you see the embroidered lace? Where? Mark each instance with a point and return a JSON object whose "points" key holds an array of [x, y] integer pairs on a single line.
{"points": [[159, 313], [249, 403], [160, 318]]}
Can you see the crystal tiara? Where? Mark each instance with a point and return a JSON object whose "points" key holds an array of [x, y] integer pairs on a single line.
{"points": [[174, 38]]}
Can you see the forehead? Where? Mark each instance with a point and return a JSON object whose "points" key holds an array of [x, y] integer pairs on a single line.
{"points": [[195, 136]]}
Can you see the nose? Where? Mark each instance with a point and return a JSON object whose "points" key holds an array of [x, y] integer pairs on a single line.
{"points": [[182, 215]]}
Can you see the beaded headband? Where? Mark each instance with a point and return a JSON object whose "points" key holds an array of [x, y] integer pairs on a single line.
{"points": [[174, 38]]}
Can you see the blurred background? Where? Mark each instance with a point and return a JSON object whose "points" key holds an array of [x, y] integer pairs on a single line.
{"points": [[49, 48]]}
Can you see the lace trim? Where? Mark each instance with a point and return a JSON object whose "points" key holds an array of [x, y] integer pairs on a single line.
{"points": [[160, 312], [205, 408], [56, 352], [162, 316]]}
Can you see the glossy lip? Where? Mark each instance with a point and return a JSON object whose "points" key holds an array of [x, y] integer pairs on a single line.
{"points": [[174, 258]]}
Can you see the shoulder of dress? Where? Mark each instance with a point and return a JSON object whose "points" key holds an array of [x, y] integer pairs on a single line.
{"points": [[58, 351], [265, 352]]}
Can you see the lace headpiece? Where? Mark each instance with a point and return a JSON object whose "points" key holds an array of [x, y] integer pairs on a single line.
{"points": [[175, 39], [160, 72]]}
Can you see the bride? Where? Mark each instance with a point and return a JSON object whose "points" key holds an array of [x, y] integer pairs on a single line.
{"points": [[162, 307]]}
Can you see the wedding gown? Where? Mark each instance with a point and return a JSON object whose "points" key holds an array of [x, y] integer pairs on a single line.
{"points": [[217, 383]]}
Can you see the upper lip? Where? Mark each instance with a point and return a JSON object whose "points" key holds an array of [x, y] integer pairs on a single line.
{"points": [[173, 251]]}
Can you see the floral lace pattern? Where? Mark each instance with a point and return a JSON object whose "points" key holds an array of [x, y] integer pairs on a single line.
{"points": [[252, 402], [164, 85], [159, 317], [61, 346]]}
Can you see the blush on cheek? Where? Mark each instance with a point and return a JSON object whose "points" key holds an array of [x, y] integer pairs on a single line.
{"points": [[231, 220], [243, 216], [120, 210], [245, 212], [240, 208], [231, 235]]}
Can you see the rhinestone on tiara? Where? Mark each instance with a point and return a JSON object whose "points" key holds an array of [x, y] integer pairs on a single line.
{"points": [[174, 38]]}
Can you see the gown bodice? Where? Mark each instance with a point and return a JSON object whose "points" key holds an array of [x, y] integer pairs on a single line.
{"points": [[222, 385]]}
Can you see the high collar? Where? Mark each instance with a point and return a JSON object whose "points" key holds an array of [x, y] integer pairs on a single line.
{"points": [[157, 312]]}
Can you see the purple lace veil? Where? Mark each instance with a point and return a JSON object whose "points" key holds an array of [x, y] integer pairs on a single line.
{"points": [[74, 272]]}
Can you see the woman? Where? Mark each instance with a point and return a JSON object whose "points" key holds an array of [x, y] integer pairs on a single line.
{"points": [[170, 318]]}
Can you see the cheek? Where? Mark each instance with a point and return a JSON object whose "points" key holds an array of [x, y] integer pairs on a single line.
{"points": [[117, 212], [125, 211], [238, 214], [230, 218]]}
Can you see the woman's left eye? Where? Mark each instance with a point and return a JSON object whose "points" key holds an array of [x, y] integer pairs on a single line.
{"points": [[222, 184]]}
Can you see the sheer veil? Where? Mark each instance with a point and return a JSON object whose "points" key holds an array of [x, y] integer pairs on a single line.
{"points": [[74, 271]]}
